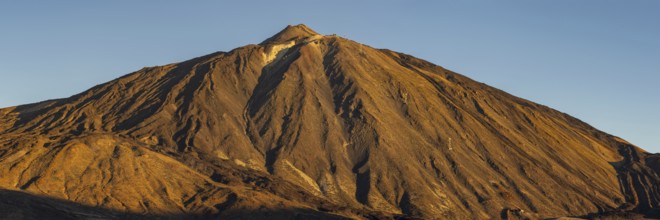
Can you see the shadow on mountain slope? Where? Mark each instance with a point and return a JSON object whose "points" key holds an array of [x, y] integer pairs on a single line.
{"points": [[20, 205], [639, 182], [638, 179]]}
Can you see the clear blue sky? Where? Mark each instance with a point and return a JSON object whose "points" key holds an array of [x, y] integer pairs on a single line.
{"points": [[596, 60]]}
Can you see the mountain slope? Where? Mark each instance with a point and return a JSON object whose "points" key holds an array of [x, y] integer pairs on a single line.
{"points": [[317, 123]]}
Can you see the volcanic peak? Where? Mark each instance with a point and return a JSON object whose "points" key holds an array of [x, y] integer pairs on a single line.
{"points": [[291, 33]]}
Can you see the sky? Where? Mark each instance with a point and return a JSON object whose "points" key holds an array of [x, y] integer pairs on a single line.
{"points": [[597, 60]]}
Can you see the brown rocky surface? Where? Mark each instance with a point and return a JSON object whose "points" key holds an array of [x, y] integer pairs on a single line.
{"points": [[304, 125]]}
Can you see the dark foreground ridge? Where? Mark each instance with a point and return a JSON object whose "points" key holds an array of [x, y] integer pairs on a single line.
{"points": [[305, 125], [20, 205]]}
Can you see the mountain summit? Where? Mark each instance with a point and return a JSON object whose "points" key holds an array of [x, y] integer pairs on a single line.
{"points": [[312, 126], [291, 33]]}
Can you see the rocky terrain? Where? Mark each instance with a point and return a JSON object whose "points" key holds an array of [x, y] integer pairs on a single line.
{"points": [[311, 126]]}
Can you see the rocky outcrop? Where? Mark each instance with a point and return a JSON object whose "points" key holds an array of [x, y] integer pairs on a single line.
{"points": [[638, 178]]}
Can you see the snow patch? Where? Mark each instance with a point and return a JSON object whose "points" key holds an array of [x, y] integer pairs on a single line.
{"points": [[276, 51]]}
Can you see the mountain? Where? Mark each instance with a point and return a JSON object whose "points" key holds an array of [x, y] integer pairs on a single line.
{"points": [[312, 126]]}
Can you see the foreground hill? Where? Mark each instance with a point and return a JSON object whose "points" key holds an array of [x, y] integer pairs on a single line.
{"points": [[311, 126]]}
